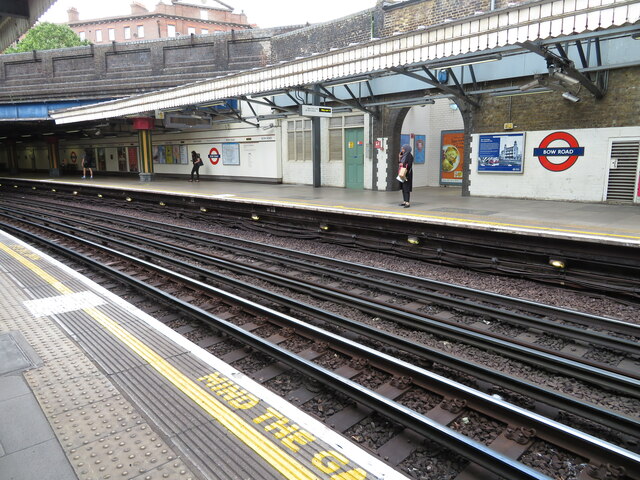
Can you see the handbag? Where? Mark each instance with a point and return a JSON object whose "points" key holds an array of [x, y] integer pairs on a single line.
{"points": [[402, 173]]}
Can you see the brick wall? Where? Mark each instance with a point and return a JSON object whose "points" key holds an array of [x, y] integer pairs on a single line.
{"points": [[322, 37], [104, 71], [409, 15], [549, 111]]}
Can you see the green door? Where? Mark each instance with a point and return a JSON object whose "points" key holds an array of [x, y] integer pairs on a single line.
{"points": [[354, 157]]}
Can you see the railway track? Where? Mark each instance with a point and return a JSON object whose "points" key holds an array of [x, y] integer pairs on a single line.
{"points": [[375, 381], [589, 266]]}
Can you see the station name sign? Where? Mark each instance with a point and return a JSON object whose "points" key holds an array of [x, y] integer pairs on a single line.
{"points": [[315, 111]]}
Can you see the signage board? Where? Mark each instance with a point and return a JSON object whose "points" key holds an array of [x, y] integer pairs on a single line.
{"points": [[315, 111]]}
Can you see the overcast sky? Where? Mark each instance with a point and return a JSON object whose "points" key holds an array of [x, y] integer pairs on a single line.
{"points": [[264, 13]]}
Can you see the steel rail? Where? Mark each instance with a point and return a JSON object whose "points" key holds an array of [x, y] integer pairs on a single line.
{"points": [[550, 361], [544, 310], [603, 416], [470, 449]]}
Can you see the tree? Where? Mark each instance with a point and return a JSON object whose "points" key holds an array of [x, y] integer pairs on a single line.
{"points": [[47, 36]]}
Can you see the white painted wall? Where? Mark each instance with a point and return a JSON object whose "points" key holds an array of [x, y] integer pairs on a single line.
{"points": [[332, 172], [585, 181], [430, 120]]}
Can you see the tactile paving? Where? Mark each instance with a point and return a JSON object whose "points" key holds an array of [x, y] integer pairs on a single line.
{"points": [[74, 393], [84, 425], [136, 452], [74, 366]]}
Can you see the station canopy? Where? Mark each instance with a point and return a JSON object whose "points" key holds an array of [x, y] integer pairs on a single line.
{"points": [[536, 28]]}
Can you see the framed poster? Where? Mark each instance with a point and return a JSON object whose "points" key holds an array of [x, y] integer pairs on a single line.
{"points": [[418, 154], [451, 157], [168, 153], [158, 152], [404, 140], [231, 154], [501, 153]]}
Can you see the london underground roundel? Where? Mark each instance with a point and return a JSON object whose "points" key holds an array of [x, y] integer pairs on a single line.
{"points": [[572, 150], [214, 156]]}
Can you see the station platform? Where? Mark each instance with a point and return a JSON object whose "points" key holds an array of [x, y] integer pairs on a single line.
{"points": [[596, 222], [93, 388]]}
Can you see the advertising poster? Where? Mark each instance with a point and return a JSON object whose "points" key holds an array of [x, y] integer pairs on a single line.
{"points": [[451, 157], [158, 154], [501, 153], [168, 153], [183, 154], [102, 159], [231, 154], [122, 159], [133, 159], [404, 140], [420, 142]]}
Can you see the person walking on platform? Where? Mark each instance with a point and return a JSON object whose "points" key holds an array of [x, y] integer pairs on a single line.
{"points": [[405, 174], [87, 164], [197, 163]]}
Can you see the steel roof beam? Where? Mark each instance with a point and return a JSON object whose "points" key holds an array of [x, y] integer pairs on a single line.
{"points": [[456, 92], [565, 65]]}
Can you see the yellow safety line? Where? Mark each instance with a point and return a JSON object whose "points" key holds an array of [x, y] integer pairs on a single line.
{"points": [[281, 461]]}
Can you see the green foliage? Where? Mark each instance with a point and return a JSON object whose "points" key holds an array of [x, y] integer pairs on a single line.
{"points": [[47, 36]]}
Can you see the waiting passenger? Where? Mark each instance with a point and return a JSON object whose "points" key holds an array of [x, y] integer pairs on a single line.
{"points": [[86, 165], [197, 163]]}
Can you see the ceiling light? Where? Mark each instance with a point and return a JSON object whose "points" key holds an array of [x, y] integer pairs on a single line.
{"points": [[571, 97], [532, 84], [563, 77], [516, 93], [461, 62]]}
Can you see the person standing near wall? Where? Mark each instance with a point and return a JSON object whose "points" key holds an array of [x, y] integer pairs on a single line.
{"points": [[197, 163], [405, 174], [86, 165]]}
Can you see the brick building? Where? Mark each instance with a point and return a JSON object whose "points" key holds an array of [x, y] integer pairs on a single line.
{"points": [[179, 17]]}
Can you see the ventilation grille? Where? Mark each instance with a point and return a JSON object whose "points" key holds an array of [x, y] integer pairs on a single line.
{"points": [[622, 178]]}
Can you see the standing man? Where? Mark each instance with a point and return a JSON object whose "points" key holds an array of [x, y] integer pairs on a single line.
{"points": [[86, 165]]}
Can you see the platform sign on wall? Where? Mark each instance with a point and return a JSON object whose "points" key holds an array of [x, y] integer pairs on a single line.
{"points": [[231, 154], [501, 153], [420, 144], [452, 157]]}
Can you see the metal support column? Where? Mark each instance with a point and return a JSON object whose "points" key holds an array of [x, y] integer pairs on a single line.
{"points": [[13, 157], [54, 157], [144, 125], [315, 133]]}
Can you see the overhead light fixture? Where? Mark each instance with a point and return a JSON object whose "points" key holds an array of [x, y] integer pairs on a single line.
{"points": [[571, 97], [557, 263], [347, 81], [535, 83], [517, 93], [272, 116], [416, 103], [461, 62], [563, 77]]}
